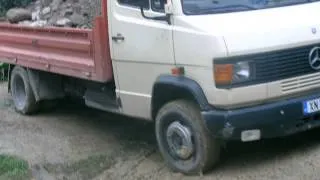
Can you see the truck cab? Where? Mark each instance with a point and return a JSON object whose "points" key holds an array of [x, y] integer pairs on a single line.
{"points": [[206, 72]]}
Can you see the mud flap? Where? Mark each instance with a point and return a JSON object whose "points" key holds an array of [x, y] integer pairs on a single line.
{"points": [[46, 86]]}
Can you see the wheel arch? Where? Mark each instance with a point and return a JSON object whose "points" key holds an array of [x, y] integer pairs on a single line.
{"points": [[168, 88]]}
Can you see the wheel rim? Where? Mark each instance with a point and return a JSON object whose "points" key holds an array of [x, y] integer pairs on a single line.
{"points": [[179, 139], [19, 92]]}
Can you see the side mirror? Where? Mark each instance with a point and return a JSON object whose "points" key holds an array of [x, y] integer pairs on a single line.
{"points": [[166, 17]]}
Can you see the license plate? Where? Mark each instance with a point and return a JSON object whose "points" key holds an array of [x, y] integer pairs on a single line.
{"points": [[311, 106]]}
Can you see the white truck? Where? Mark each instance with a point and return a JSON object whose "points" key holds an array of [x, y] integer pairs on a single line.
{"points": [[205, 71]]}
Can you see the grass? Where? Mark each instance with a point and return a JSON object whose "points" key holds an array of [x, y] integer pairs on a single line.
{"points": [[13, 168], [86, 168]]}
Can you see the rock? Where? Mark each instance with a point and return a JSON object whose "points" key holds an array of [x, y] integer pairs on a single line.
{"points": [[46, 13], [85, 26], [40, 23], [63, 22], [53, 20], [36, 15], [77, 8], [25, 22], [71, 13], [45, 3], [16, 15], [46, 10], [68, 12], [77, 20], [35, 5], [37, 8], [55, 5]]}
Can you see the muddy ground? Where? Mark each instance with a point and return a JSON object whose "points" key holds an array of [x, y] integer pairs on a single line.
{"points": [[75, 142]]}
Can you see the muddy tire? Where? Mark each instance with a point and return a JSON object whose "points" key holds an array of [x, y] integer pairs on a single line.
{"points": [[21, 92], [183, 139]]}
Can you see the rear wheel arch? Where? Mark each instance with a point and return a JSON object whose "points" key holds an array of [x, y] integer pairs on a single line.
{"points": [[44, 85], [169, 88]]}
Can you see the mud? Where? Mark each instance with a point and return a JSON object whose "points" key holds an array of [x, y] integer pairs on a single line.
{"points": [[75, 142]]}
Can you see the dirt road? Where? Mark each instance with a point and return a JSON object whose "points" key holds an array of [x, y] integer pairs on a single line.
{"points": [[74, 142]]}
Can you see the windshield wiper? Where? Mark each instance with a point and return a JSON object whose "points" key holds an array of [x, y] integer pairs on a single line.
{"points": [[227, 8]]}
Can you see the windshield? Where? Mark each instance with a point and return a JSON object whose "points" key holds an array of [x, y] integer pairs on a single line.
{"points": [[194, 7]]}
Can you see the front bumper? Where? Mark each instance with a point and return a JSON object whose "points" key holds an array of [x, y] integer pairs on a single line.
{"points": [[276, 119]]}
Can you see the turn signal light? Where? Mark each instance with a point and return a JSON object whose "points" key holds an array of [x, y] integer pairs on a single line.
{"points": [[177, 71], [223, 74]]}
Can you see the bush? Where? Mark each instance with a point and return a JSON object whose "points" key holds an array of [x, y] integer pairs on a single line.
{"points": [[7, 4]]}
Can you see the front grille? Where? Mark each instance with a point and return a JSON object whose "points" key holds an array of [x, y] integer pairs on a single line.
{"points": [[283, 64], [274, 65], [300, 83]]}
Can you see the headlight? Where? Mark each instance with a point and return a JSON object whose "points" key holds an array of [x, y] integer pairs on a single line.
{"points": [[233, 73], [241, 72]]}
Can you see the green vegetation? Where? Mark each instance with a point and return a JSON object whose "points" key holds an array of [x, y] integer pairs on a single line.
{"points": [[4, 71], [7, 4], [13, 168], [86, 168]]}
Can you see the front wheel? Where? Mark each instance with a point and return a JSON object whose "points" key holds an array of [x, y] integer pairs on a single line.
{"points": [[183, 139]]}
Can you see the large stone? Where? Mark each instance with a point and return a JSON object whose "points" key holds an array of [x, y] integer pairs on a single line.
{"points": [[41, 23], [77, 8], [53, 20], [55, 5], [68, 12], [27, 22], [77, 20], [46, 10], [45, 3], [16, 15], [36, 15], [64, 22], [46, 13], [85, 26], [34, 24]]}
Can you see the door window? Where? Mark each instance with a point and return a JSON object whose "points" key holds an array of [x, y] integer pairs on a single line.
{"points": [[157, 5], [135, 3]]}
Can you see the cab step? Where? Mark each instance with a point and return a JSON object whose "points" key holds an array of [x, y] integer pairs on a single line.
{"points": [[102, 99]]}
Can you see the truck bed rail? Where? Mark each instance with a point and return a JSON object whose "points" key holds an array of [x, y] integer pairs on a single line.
{"points": [[73, 52]]}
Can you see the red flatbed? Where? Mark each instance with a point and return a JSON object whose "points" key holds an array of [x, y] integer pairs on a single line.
{"points": [[80, 53]]}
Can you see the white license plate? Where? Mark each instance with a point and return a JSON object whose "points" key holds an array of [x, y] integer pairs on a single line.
{"points": [[311, 106]]}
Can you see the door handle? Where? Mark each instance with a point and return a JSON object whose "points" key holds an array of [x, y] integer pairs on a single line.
{"points": [[119, 37]]}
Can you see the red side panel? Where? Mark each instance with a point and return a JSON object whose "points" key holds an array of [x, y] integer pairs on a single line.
{"points": [[68, 51], [101, 44]]}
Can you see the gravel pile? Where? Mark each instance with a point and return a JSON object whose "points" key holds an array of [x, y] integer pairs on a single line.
{"points": [[60, 13]]}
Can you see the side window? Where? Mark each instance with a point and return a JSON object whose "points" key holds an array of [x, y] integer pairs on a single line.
{"points": [[158, 5], [135, 3]]}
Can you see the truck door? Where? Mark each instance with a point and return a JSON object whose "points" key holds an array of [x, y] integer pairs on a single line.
{"points": [[141, 50], [137, 39]]}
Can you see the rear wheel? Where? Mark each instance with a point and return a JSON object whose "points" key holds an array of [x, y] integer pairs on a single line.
{"points": [[21, 91], [183, 139]]}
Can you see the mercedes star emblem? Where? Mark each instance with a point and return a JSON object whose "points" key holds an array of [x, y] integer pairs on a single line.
{"points": [[314, 58], [313, 30]]}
